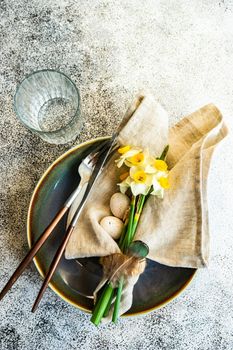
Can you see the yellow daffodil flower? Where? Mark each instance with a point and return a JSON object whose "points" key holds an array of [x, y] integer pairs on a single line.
{"points": [[139, 176], [137, 159], [126, 153], [141, 159], [156, 166]]}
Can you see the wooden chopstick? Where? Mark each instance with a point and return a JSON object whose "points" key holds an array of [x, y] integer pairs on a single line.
{"points": [[32, 252], [53, 266], [46, 233]]}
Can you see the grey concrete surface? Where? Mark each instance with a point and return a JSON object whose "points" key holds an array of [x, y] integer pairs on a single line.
{"points": [[183, 52]]}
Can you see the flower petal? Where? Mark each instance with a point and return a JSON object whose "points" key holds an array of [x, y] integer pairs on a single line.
{"points": [[149, 169], [128, 180], [123, 187], [159, 174], [119, 162], [132, 152], [163, 181], [137, 159], [124, 149], [149, 180], [156, 184], [160, 165], [138, 188], [159, 193]]}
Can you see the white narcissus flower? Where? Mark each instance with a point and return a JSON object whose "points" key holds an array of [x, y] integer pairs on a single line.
{"points": [[158, 191], [139, 159], [155, 165], [140, 181], [159, 185]]}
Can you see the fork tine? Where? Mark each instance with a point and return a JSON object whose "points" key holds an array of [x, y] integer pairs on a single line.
{"points": [[96, 150], [93, 156], [100, 147], [108, 158]]}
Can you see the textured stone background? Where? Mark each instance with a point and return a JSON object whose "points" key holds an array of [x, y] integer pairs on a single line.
{"points": [[183, 52]]}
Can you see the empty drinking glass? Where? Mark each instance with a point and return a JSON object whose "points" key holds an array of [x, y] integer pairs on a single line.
{"points": [[48, 103]]}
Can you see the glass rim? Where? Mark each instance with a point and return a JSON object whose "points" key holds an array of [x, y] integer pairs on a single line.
{"points": [[53, 132]]}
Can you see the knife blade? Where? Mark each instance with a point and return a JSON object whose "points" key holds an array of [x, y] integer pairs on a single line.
{"points": [[101, 162]]}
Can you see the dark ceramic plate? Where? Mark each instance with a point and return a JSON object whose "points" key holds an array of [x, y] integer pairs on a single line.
{"points": [[158, 285]]}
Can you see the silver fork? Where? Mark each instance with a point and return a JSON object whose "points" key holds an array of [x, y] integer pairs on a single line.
{"points": [[86, 167], [85, 170]]}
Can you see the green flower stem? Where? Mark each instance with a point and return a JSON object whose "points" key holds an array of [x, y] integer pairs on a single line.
{"points": [[122, 235], [101, 304], [137, 215], [106, 312], [126, 240], [123, 244], [118, 300]]}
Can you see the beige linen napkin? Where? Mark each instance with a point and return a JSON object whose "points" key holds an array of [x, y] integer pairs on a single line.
{"points": [[176, 227]]}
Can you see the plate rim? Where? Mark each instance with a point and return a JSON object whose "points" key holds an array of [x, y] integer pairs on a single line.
{"points": [[36, 262]]}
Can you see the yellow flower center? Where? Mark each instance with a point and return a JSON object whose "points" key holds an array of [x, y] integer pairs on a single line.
{"points": [[140, 176], [123, 150], [124, 176], [137, 159], [160, 165], [163, 181]]}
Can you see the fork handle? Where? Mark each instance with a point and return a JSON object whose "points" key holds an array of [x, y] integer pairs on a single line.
{"points": [[32, 252], [75, 193], [53, 266]]}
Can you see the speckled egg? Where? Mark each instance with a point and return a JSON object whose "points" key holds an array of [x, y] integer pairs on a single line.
{"points": [[112, 225], [119, 203]]}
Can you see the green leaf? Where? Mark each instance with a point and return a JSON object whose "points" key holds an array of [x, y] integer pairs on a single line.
{"points": [[164, 153], [138, 249]]}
